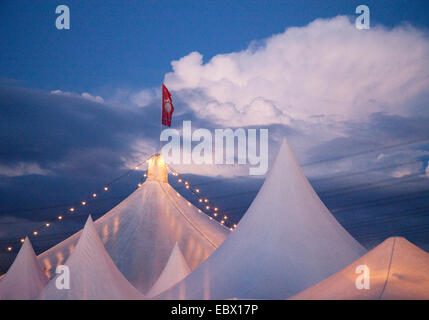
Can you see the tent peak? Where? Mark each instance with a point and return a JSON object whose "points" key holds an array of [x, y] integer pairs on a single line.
{"points": [[157, 169], [25, 278]]}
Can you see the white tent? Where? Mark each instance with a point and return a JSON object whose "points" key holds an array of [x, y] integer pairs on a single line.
{"points": [[25, 278], [396, 268], [139, 233], [92, 273], [175, 270], [286, 242]]}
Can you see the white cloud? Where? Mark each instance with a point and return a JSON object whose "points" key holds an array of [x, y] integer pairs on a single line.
{"points": [[22, 169], [401, 173], [427, 170], [380, 156], [84, 95], [325, 68], [144, 97]]}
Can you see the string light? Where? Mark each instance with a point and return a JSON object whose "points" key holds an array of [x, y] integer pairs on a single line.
{"points": [[196, 191], [83, 203], [106, 188]]}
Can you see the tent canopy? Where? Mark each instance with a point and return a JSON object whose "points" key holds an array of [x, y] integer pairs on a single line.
{"points": [[140, 232], [25, 278], [397, 270], [286, 242], [175, 270], [93, 275]]}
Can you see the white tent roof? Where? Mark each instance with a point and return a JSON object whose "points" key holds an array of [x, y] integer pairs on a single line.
{"points": [[25, 278], [286, 242], [93, 275], [175, 270], [397, 270], [139, 233]]}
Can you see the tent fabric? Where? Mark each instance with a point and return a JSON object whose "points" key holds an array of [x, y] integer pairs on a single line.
{"points": [[139, 233], [175, 270], [93, 275], [157, 170], [286, 242], [397, 270], [25, 278]]}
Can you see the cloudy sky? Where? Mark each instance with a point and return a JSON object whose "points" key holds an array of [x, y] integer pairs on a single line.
{"points": [[80, 107]]}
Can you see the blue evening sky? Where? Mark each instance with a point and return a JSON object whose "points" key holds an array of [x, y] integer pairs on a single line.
{"points": [[131, 43]]}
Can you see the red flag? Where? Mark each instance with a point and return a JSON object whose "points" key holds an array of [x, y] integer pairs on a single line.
{"points": [[167, 107]]}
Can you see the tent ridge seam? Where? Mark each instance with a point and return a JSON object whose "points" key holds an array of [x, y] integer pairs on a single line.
{"points": [[388, 270], [184, 216]]}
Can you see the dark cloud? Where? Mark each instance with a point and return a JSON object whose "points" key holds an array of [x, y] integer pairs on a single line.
{"points": [[64, 132]]}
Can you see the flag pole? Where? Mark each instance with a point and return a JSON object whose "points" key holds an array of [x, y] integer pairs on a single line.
{"points": [[160, 124]]}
